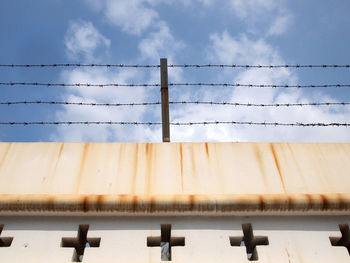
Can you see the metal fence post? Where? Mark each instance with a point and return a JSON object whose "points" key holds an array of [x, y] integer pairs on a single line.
{"points": [[165, 99]]}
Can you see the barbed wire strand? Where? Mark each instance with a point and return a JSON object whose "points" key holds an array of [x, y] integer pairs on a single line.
{"points": [[171, 84], [77, 65], [298, 124], [9, 103], [260, 85], [76, 84], [255, 66], [174, 65]]}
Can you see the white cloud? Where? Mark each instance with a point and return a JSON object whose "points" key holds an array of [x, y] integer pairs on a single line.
{"points": [[158, 44], [96, 5], [132, 16], [241, 51], [99, 113], [83, 39], [84, 31], [245, 8], [280, 25], [156, 40], [258, 13], [230, 50], [161, 44]]}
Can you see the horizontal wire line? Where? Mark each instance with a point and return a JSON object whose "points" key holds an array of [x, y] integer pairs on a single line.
{"points": [[262, 104], [174, 65], [77, 65], [178, 123], [254, 66], [75, 84], [176, 102], [259, 85], [171, 84], [79, 103]]}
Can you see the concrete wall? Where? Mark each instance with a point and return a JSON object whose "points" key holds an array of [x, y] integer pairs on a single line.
{"points": [[124, 239]]}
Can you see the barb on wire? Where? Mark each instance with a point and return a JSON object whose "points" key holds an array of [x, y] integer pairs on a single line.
{"points": [[9, 103], [255, 66], [297, 124], [259, 85], [75, 84], [77, 65]]}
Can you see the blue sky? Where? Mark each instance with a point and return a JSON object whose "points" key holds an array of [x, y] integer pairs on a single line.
{"points": [[184, 31]]}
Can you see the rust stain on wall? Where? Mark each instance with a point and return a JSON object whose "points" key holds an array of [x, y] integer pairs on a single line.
{"points": [[85, 204], [309, 200], [296, 164], [194, 165], [149, 167], [207, 149], [82, 165], [99, 202], [325, 202], [173, 203], [261, 203], [148, 148], [5, 153], [192, 201], [152, 204], [261, 165], [59, 156], [181, 168], [51, 204], [278, 166], [134, 175], [134, 203]]}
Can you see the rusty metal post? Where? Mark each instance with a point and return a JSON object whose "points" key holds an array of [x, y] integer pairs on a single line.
{"points": [[165, 99]]}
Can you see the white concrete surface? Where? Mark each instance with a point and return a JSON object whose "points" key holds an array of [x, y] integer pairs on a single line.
{"points": [[123, 239]]}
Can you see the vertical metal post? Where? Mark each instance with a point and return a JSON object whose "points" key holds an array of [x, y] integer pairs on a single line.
{"points": [[165, 99]]}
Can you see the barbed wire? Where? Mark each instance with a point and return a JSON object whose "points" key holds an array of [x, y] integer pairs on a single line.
{"points": [[298, 124], [171, 84], [9, 103], [259, 85], [77, 65], [254, 66], [262, 104], [173, 65], [76, 84]]}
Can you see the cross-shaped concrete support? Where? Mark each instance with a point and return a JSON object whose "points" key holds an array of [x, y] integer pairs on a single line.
{"points": [[249, 241], [5, 241], [80, 243], [344, 240], [165, 241]]}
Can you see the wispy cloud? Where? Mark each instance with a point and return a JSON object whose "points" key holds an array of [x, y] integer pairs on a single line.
{"points": [[83, 40], [228, 49], [156, 40], [100, 95]]}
